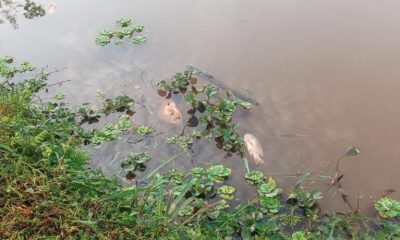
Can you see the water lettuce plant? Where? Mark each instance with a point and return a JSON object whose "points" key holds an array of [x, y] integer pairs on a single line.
{"points": [[135, 161], [213, 111], [388, 208], [143, 130], [126, 30]]}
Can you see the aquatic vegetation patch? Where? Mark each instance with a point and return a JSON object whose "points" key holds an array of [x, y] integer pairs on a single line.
{"points": [[143, 130], [33, 10], [125, 31], [9, 10], [213, 111], [135, 161], [47, 192], [388, 208]]}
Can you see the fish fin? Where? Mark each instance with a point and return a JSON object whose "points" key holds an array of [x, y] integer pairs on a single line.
{"points": [[258, 160], [261, 154]]}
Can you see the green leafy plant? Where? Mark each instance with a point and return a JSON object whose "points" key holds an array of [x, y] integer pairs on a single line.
{"points": [[59, 96], [111, 131], [254, 177], [7, 70], [135, 161], [268, 194], [218, 173], [125, 30], [388, 208], [179, 81], [183, 141], [124, 123], [119, 104], [226, 192], [143, 130], [87, 114]]}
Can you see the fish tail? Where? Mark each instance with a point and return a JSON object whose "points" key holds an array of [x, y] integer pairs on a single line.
{"points": [[258, 160]]}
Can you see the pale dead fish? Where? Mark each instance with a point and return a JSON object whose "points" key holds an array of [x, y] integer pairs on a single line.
{"points": [[169, 112], [254, 148], [52, 8]]}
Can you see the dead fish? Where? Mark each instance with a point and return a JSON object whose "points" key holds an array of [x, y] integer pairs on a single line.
{"points": [[254, 148], [52, 8], [169, 112]]}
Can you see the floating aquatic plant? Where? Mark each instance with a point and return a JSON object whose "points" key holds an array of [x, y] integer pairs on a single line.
{"points": [[126, 31], [135, 161], [214, 116], [143, 130], [388, 208]]}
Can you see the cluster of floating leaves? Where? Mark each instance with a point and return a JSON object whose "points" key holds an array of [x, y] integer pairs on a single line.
{"points": [[126, 31]]}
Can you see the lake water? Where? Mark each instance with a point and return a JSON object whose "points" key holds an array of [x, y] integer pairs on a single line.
{"points": [[325, 72]]}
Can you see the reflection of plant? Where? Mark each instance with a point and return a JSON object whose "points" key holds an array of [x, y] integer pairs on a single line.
{"points": [[124, 31], [33, 10], [9, 10], [388, 208]]}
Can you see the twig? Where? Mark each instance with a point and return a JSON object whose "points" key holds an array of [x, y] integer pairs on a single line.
{"points": [[57, 70], [143, 138], [58, 83]]}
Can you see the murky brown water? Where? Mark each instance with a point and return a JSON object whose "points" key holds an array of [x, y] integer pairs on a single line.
{"points": [[326, 74]]}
